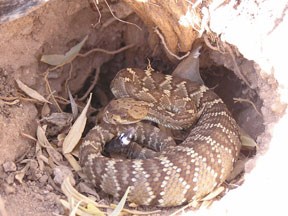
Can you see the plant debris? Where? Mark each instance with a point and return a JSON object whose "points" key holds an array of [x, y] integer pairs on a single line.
{"points": [[59, 59], [31, 92]]}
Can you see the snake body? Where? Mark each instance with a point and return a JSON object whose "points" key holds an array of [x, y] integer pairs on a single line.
{"points": [[179, 173]]}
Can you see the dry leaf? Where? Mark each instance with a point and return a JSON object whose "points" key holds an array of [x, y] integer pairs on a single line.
{"points": [[44, 143], [189, 67], [45, 111], [74, 210], [213, 194], [42, 139], [72, 194], [57, 123], [20, 174], [44, 159], [93, 210], [205, 204], [56, 59], [60, 138], [121, 204], [76, 130], [248, 142], [56, 157], [75, 165], [74, 106], [61, 120], [31, 92], [38, 152]]}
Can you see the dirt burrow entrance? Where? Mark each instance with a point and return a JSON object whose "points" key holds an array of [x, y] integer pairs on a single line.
{"points": [[60, 25]]}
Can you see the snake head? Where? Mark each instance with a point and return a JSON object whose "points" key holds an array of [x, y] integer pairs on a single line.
{"points": [[125, 111]]}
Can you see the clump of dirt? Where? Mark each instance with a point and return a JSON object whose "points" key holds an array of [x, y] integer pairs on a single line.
{"points": [[29, 188]]}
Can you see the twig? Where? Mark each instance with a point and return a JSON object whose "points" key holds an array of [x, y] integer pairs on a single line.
{"points": [[29, 136], [226, 46], [69, 77], [166, 47], [238, 71], [91, 51], [61, 100], [12, 98], [105, 51], [16, 101], [70, 71], [50, 90], [240, 100], [137, 212], [28, 99], [96, 77], [64, 101], [119, 18], [97, 8], [182, 209]]}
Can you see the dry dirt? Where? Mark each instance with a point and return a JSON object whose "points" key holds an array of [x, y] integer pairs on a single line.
{"points": [[59, 25]]}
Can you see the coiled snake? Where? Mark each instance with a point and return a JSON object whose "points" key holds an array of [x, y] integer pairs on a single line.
{"points": [[178, 173]]}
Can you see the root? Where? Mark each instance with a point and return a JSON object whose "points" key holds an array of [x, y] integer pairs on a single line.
{"points": [[165, 45]]}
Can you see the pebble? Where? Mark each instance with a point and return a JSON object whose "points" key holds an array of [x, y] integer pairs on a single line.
{"points": [[61, 172], [9, 166]]}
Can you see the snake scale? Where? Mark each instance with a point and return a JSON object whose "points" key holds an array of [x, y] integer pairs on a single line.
{"points": [[178, 173]]}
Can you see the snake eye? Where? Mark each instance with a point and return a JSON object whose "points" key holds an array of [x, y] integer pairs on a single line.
{"points": [[113, 119]]}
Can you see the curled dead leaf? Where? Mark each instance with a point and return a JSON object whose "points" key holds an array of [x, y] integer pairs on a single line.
{"points": [[44, 143], [41, 137], [20, 174]]}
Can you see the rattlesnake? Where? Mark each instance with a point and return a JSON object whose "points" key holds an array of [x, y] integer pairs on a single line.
{"points": [[178, 174]]}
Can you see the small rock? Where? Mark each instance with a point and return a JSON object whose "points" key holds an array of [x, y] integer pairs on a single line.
{"points": [[9, 166], [43, 179], [61, 172]]}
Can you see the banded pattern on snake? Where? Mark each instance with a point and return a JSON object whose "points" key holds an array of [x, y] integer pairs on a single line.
{"points": [[178, 173]]}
